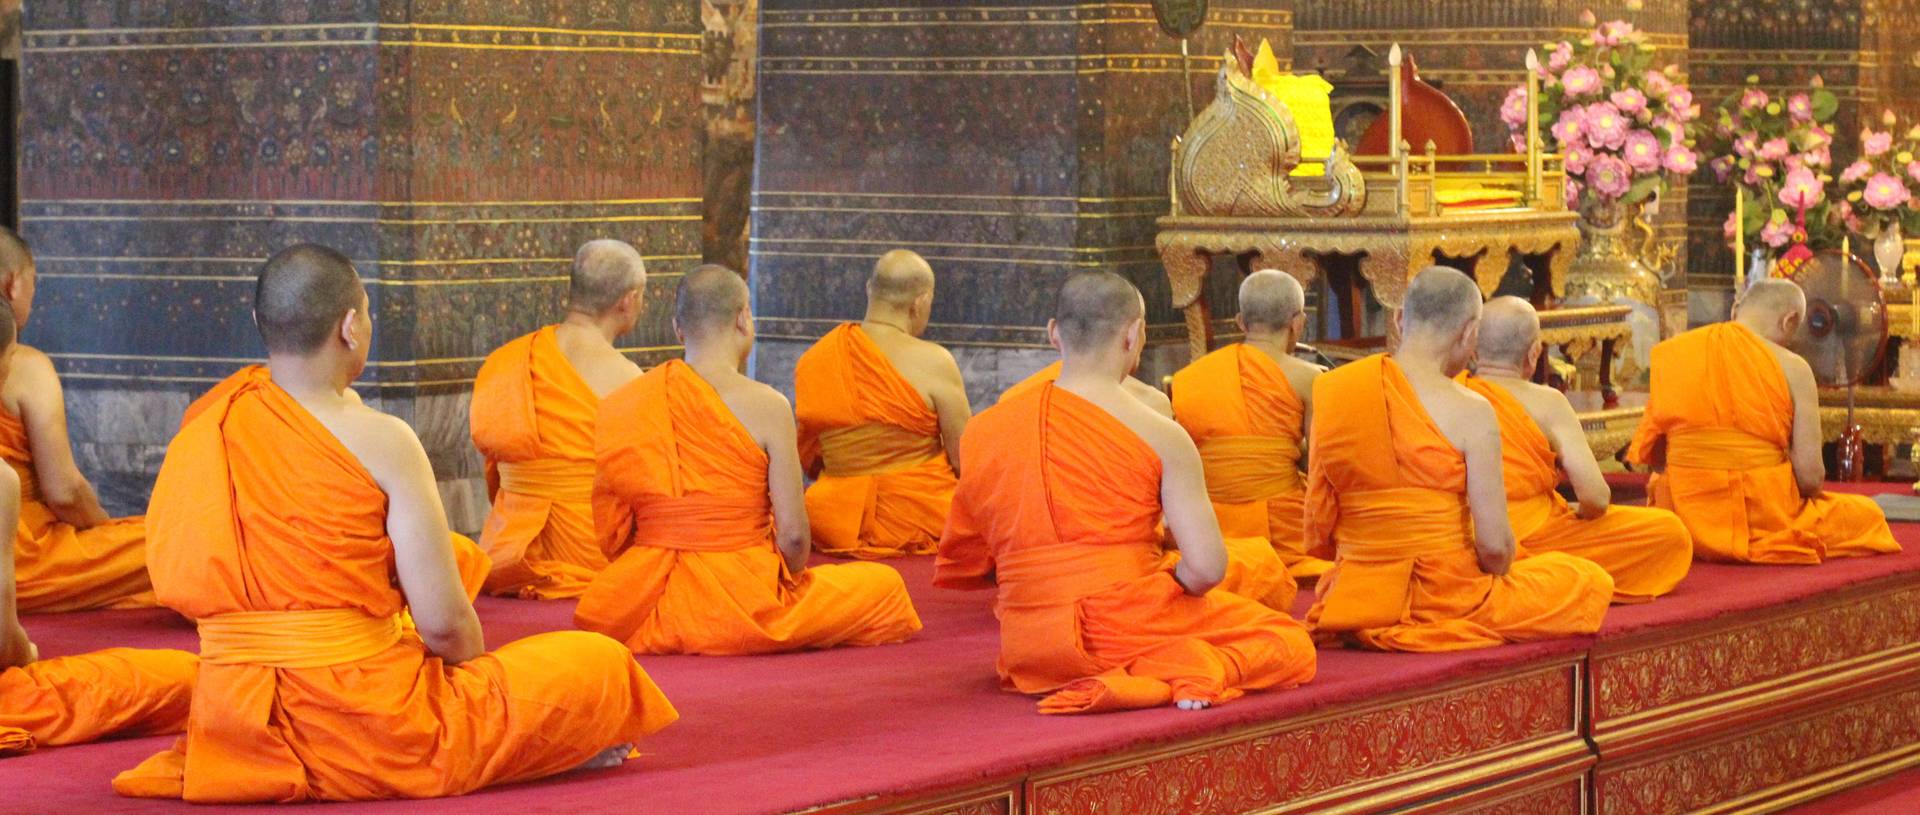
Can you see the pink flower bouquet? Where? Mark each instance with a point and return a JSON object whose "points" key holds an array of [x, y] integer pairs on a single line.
{"points": [[1777, 149], [1882, 187]]}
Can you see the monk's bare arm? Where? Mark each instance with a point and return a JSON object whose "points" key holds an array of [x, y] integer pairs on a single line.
{"points": [[950, 403], [1479, 439], [1303, 387], [422, 543], [1808, 469], [770, 417], [43, 409], [15, 648], [1154, 398], [1576, 457], [1189, 513]]}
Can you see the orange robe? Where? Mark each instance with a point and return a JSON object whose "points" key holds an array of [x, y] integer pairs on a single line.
{"points": [[1386, 497], [1255, 569], [71, 700], [60, 568], [1058, 508], [532, 421], [1241, 411], [1720, 403], [682, 509], [885, 481], [1646, 550], [272, 536]]}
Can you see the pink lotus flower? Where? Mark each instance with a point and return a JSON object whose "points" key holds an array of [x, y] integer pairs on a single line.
{"points": [[1776, 235], [1746, 146], [1628, 100], [1562, 55], [1576, 159], [1519, 142], [1800, 107], [1722, 167], [1571, 126], [1884, 191], [1579, 81], [1913, 171], [1794, 162], [1681, 160], [1855, 171], [1774, 149], [1875, 142], [1658, 85], [1573, 193], [1851, 218], [1816, 138], [1802, 189], [1726, 229], [1680, 104], [1587, 19], [1819, 157], [1610, 177], [1605, 126], [1752, 99], [1642, 151], [1613, 33], [1513, 111]]}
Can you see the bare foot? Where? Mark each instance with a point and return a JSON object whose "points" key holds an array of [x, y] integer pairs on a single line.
{"points": [[1193, 704], [609, 758]]}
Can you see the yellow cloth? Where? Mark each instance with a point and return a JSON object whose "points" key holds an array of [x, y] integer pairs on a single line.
{"points": [[308, 638], [1308, 97]]}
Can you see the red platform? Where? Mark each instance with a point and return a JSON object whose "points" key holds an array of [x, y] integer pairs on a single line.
{"points": [[1748, 688]]}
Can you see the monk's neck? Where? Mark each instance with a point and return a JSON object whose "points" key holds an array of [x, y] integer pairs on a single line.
{"points": [[1490, 371], [1763, 332], [310, 380], [1417, 354], [886, 319], [715, 355], [602, 327], [1094, 368], [1277, 346]]}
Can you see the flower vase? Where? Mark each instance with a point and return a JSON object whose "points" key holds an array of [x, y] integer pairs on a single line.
{"points": [[1608, 267], [1759, 264], [1888, 249]]}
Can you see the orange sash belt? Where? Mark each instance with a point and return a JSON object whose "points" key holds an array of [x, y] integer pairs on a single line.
{"points": [[1054, 575], [318, 638], [875, 449], [555, 479], [1721, 449], [1244, 469], [1403, 523], [703, 523]]}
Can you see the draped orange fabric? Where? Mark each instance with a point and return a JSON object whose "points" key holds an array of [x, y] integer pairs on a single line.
{"points": [[1241, 411], [60, 568], [532, 421], [1719, 400], [268, 531], [885, 481], [1255, 570], [1058, 507], [116, 692], [1646, 550], [1386, 496], [682, 508]]}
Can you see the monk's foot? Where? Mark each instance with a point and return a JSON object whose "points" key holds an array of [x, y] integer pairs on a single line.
{"points": [[609, 758], [1192, 704]]}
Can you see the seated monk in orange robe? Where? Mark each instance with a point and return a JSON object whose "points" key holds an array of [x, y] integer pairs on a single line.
{"points": [[1732, 431], [532, 420], [69, 700], [881, 412], [68, 554], [1646, 550], [699, 505], [1405, 492], [1246, 406], [295, 526], [1058, 509]]}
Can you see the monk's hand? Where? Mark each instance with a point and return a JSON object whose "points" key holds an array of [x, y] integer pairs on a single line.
{"points": [[1494, 559], [16, 650], [796, 562]]}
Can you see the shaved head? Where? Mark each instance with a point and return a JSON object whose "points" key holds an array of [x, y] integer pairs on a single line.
{"points": [[1508, 329], [1094, 308], [899, 278], [709, 298], [8, 333], [1440, 301], [1772, 298], [1270, 300], [303, 293], [15, 257], [604, 271]]}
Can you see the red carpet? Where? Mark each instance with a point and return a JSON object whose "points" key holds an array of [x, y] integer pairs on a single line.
{"points": [[774, 734]]}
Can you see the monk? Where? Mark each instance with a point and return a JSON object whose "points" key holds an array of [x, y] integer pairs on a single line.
{"points": [[1058, 508], [1646, 550], [1246, 406], [295, 525], [881, 412], [69, 555], [1732, 431], [700, 508], [532, 419], [69, 700], [1405, 493]]}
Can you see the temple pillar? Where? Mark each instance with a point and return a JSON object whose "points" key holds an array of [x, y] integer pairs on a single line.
{"points": [[1010, 146], [458, 152]]}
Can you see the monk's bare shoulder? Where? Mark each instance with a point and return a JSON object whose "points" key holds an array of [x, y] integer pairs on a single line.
{"points": [[927, 366], [385, 445], [1301, 375], [32, 378], [1463, 416], [765, 412], [1546, 406], [1153, 398], [1798, 372]]}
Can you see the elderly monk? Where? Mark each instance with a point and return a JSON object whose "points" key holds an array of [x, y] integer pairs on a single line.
{"points": [[1404, 491], [69, 700], [296, 525], [1732, 431], [1058, 508], [1647, 551], [69, 554], [1246, 406], [533, 409], [699, 505], [881, 412]]}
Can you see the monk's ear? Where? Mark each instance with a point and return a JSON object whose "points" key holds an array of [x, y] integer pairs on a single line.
{"points": [[1241, 321], [346, 329], [679, 335], [1137, 334], [1053, 334]]}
